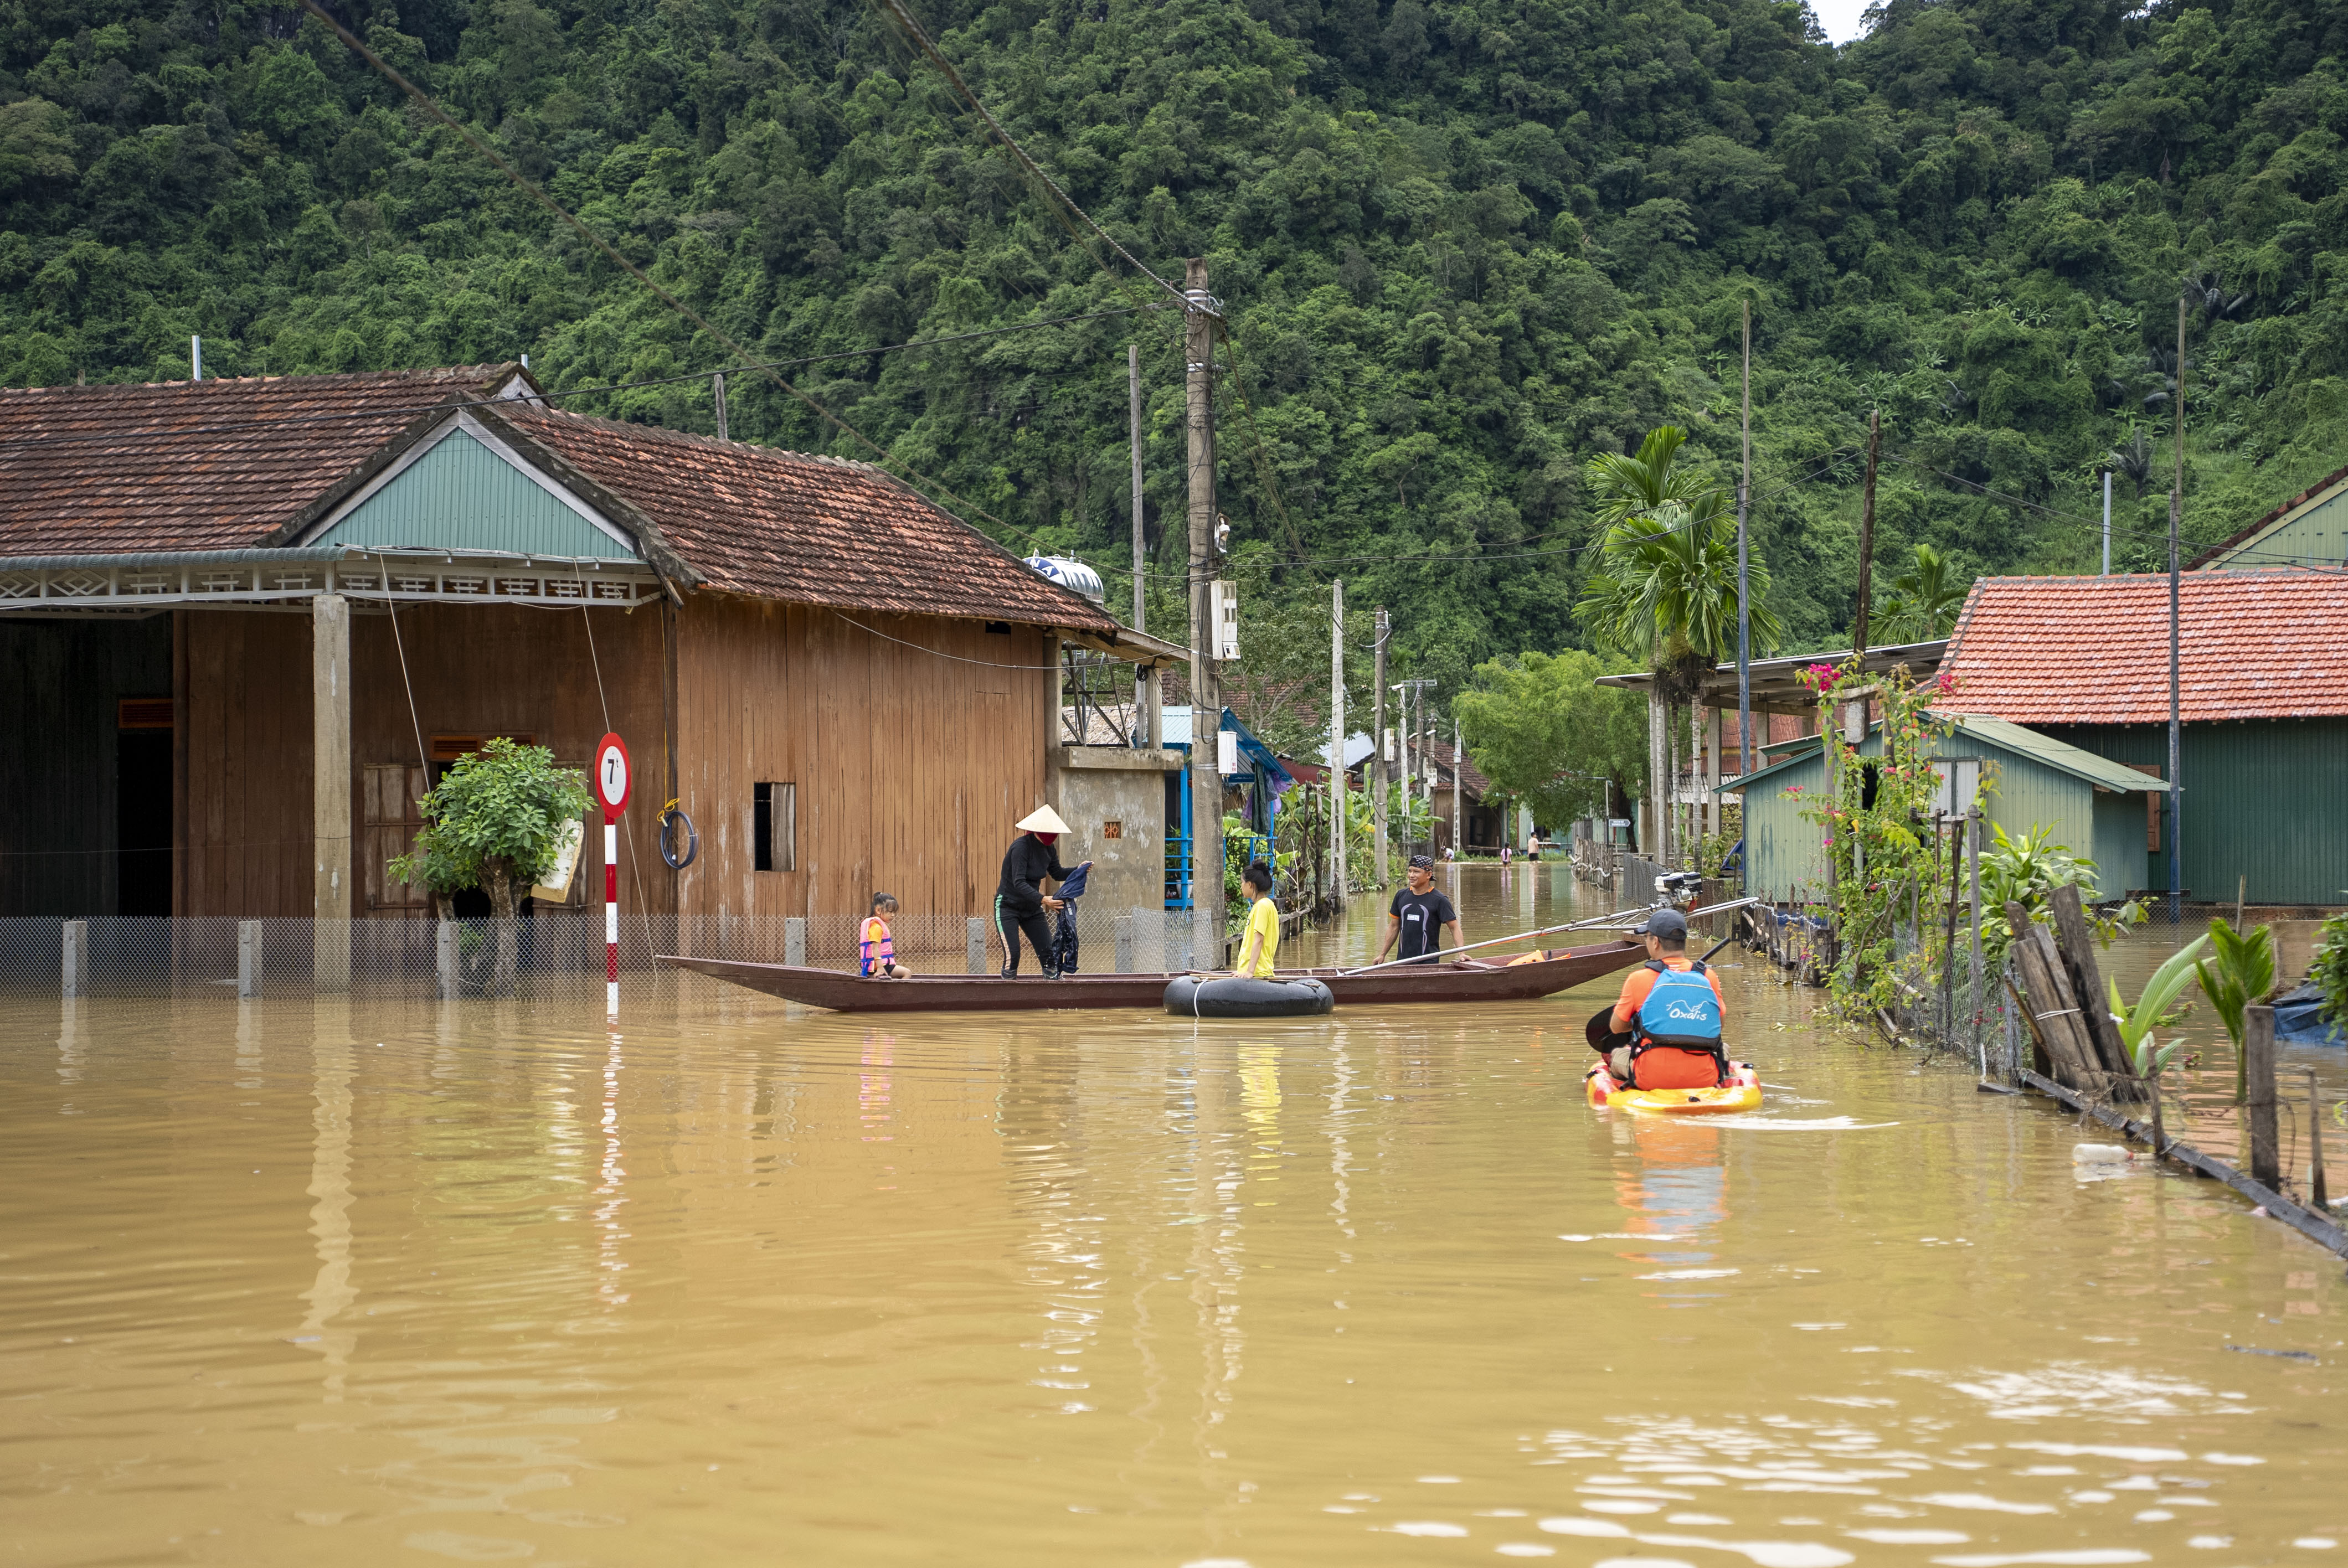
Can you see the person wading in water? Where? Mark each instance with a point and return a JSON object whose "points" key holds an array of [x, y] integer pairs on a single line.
{"points": [[1020, 902]]}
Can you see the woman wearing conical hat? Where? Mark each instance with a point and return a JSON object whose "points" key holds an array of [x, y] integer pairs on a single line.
{"points": [[1020, 902]]}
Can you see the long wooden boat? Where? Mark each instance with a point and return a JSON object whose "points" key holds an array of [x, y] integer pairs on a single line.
{"points": [[1459, 981]]}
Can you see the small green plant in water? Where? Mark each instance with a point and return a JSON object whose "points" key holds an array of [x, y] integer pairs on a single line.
{"points": [[2136, 1023], [2244, 974]]}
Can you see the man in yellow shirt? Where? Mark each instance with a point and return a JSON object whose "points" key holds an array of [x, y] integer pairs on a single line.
{"points": [[1262, 927]]}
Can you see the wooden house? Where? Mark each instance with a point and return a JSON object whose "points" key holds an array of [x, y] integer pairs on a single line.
{"points": [[2310, 530], [244, 622]]}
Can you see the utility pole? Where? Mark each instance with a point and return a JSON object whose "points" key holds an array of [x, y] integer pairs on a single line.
{"points": [[1144, 676], [1378, 751], [1458, 788], [2176, 525], [1867, 532], [1744, 595], [1206, 705], [717, 394], [1337, 742]]}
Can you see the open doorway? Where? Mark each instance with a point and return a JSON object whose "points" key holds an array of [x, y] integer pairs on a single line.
{"points": [[142, 805]]}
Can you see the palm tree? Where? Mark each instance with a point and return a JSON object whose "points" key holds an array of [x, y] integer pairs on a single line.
{"points": [[2133, 461], [1924, 600], [1666, 590]]}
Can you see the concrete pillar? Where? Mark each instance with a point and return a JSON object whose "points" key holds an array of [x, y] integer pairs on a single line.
{"points": [[976, 942], [1125, 944], [445, 961], [330, 767], [795, 941], [248, 958], [75, 969]]}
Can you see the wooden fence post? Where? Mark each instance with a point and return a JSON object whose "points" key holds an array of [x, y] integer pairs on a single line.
{"points": [[2259, 1109], [2077, 946], [2053, 1009], [2316, 1191]]}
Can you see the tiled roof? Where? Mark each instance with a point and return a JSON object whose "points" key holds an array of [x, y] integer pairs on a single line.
{"points": [[2094, 650], [1439, 753], [770, 524], [193, 466], [2241, 537], [241, 463]]}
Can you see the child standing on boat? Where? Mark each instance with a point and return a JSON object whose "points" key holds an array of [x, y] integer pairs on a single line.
{"points": [[877, 951], [1256, 958]]}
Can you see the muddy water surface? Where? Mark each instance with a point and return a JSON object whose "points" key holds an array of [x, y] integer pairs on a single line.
{"points": [[366, 1282]]}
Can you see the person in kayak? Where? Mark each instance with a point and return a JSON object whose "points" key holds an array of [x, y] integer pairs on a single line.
{"points": [[1669, 1020], [1421, 916], [1256, 958], [1020, 901]]}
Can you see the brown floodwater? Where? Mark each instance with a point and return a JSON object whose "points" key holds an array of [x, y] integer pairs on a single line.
{"points": [[358, 1282]]}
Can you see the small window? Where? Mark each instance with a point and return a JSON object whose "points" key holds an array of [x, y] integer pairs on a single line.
{"points": [[774, 827]]}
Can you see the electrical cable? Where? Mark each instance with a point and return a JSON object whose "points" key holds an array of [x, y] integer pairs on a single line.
{"points": [[741, 354]]}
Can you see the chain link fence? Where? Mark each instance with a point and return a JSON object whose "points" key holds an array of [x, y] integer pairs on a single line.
{"points": [[126, 956]]}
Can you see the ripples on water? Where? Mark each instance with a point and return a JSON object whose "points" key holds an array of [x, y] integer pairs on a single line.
{"points": [[293, 1282]]}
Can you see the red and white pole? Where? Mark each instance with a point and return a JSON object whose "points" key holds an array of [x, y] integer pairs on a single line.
{"points": [[614, 776], [612, 916]]}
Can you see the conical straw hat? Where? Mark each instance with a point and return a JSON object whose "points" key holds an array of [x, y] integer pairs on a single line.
{"points": [[1043, 819]]}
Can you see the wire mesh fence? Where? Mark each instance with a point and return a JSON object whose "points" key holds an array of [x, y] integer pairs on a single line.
{"points": [[128, 956]]}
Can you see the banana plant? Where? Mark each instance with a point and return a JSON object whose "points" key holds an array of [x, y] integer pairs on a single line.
{"points": [[2136, 1023]]}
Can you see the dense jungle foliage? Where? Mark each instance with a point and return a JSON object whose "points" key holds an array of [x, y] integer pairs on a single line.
{"points": [[1465, 244]]}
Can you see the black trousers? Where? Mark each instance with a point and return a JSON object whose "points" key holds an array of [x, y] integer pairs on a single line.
{"points": [[1038, 928]]}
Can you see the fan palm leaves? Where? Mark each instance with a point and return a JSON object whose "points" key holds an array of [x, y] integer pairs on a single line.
{"points": [[1925, 599], [1667, 584]]}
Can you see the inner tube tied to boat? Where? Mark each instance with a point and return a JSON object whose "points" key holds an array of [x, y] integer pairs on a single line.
{"points": [[1231, 996], [669, 817]]}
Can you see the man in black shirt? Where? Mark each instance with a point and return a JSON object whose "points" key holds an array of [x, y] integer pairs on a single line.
{"points": [[1422, 917]]}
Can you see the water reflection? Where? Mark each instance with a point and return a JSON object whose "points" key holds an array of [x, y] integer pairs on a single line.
{"points": [[331, 1291]]}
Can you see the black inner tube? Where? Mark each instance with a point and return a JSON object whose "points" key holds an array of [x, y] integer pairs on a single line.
{"points": [[668, 821]]}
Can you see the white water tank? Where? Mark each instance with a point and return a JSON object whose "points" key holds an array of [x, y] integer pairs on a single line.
{"points": [[1071, 574]]}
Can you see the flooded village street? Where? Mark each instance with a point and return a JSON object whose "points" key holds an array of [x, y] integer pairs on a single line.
{"points": [[364, 1281]]}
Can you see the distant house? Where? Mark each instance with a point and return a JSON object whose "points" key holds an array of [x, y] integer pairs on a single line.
{"points": [[2092, 804], [2311, 529], [2263, 705], [244, 623]]}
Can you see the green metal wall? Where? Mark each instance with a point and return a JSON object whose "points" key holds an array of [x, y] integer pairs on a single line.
{"points": [[1786, 852], [2317, 537], [462, 495], [2265, 798]]}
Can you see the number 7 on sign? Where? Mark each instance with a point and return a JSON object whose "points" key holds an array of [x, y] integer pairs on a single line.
{"points": [[614, 776]]}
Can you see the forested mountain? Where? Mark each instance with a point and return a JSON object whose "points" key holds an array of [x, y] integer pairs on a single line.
{"points": [[1464, 244]]}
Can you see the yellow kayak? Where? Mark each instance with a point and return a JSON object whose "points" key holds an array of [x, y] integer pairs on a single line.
{"points": [[1741, 1092]]}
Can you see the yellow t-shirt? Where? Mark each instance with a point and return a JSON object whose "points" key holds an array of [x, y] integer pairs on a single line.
{"points": [[1263, 922]]}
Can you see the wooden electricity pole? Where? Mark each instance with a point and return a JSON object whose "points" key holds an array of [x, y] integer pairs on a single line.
{"points": [[1867, 533], [1378, 762], [1146, 693], [1337, 742], [1206, 706]]}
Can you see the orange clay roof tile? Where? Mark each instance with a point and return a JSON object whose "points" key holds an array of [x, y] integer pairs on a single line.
{"points": [[2094, 650]]}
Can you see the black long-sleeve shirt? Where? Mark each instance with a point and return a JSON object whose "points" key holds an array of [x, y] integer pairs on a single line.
{"points": [[1025, 867]]}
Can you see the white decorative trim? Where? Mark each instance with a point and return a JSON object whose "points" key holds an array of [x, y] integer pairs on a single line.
{"points": [[463, 420]]}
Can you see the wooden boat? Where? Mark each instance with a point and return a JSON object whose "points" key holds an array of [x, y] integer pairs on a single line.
{"points": [[1467, 980]]}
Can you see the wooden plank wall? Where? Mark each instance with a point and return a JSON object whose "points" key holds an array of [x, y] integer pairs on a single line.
{"points": [[911, 767], [473, 670]]}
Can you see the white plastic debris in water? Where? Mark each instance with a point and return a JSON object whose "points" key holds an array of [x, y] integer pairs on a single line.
{"points": [[2100, 1154]]}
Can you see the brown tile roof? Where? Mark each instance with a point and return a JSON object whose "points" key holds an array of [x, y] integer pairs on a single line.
{"points": [[770, 524], [2094, 650], [182, 466], [241, 463], [2244, 535]]}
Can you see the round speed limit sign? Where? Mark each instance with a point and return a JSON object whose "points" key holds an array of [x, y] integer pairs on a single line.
{"points": [[614, 775]]}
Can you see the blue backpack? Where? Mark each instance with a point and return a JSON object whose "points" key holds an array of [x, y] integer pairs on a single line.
{"points": [[1681, 1011]]}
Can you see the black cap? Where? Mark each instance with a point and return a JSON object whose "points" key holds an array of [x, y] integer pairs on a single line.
{"points": [[1664, 923], [1422, 862]]}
